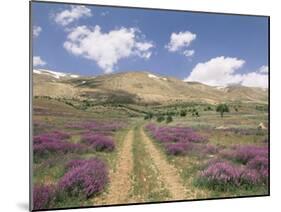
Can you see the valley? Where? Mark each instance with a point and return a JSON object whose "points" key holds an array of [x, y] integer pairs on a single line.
{"points": [[140, 137]]}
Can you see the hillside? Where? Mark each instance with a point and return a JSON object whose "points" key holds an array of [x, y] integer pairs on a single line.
{"points": [[138, 87]]}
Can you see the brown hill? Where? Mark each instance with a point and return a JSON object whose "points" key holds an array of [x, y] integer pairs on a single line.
{"points": [[144, 87]]}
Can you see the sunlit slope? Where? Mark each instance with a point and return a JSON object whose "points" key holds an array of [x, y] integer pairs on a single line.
{"points": [[139, 87]]}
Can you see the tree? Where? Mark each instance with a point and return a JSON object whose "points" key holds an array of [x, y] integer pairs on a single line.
{"points": [[160, 118], [169, 119], [149, 116], [209, 108], [195, 113], [183, 113], [146, 117], [222, 108]]}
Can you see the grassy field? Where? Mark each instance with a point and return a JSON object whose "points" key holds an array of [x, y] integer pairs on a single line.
{"points": [[98, 137]]}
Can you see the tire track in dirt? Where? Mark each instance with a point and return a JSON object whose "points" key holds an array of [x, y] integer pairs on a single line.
{"points": [[168, 173], [147, 185], [120, 180]]}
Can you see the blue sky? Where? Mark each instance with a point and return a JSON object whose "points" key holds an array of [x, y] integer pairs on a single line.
{"points": [[235, 47]]}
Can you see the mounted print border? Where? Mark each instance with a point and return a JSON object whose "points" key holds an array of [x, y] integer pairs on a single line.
{"points": [[132, 105]]}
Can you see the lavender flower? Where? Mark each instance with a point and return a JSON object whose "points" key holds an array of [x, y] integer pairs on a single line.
{"points": [[245, 153], [104, 127], [221, 174], [250, 177], [54, 142], [260, 165], [177, 148], [177, 140], [51, 136], [174, 134], [42, 196], [99, 142], [85, 178]]}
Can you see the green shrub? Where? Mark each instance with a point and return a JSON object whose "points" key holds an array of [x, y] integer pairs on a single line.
{"points": [[160, 118], [169, 119], [148, 116], [183, 113], [209, 108]]}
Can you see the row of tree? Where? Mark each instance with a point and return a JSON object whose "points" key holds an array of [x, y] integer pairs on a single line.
{"points": [[221, 108]]}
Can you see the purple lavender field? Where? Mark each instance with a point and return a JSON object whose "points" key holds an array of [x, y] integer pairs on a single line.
{"points": [[83, 156]]}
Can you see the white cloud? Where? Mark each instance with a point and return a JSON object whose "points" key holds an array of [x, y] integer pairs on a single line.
{"points": [[263, 69], [36, 31], [104, 13], [66, 17], [106, 49], [179, 42], [217, 71], [255, 79], [221, 71], [188, 53], [37, 61]]}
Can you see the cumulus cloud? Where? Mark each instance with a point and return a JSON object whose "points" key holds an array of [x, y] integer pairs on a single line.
{"points": [[188, 53], [106, 49], [66, 17], [179, 42], [263, 69], [36, 31], [222, 71], [255, 79], [37, 61]]}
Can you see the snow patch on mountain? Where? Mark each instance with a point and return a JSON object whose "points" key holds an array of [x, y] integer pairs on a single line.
{"points": [[156, 77], [74, 76], [54, 74], [37, 71]]}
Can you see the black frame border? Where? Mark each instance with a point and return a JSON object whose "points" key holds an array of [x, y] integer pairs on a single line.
{"points": [[31, 105]]}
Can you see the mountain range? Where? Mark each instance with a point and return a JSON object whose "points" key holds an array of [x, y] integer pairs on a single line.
{"points": [[139, 87]]}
